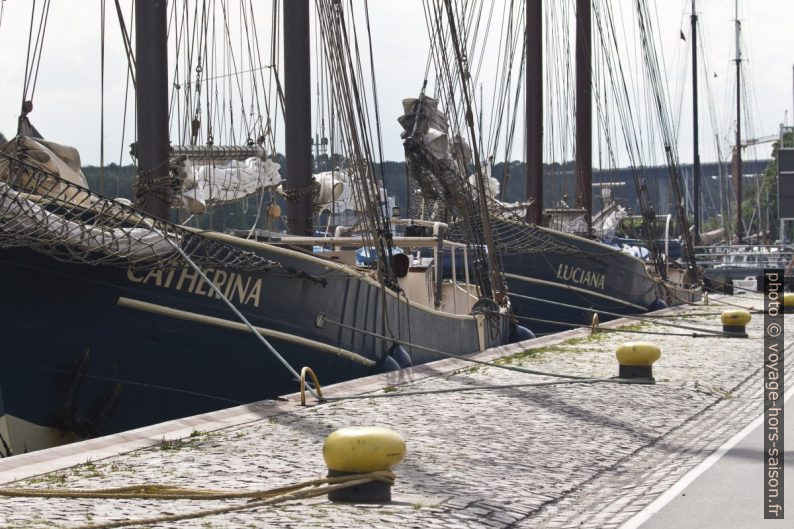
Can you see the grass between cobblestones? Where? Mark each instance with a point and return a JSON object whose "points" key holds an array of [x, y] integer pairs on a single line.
{"points": [[569, 346]]}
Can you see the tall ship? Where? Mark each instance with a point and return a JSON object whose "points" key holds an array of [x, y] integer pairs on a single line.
{"points": [[735, 256], [559, 264], [117, 316]]}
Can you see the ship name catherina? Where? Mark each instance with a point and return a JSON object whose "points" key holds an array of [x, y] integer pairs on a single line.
{"points": [[581, 276], [236, 287]]}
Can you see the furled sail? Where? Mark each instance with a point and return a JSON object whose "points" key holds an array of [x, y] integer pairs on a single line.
{"points": [[207, 184], [61, 161], [334, 192], [438, 164]]}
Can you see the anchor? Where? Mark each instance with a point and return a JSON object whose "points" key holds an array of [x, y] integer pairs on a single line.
{"points": [[72, 417]]}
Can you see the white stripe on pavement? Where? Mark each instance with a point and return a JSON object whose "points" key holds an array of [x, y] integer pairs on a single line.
{"points": [[672, 493]]}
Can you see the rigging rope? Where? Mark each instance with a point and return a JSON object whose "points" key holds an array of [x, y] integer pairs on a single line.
{"points": [[340, 47], [125, 37], [32, 59], [239, 314], [658, 83], [102, 100]]}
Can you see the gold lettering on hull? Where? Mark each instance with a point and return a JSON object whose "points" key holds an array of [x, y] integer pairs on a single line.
{"points": [[580, 276], [239, 288]]}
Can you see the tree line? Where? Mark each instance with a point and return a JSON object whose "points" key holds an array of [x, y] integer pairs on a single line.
{"points": [[759, 207]]}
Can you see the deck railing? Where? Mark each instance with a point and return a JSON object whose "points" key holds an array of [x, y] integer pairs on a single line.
{"points": [[740, 255]]}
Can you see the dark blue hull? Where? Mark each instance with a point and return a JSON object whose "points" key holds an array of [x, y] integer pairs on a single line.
{"points": [[144, 366], [595, 277]]}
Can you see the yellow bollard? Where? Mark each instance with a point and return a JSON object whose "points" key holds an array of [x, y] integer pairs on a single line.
{"points": [[735, 322], [360, 450], [788, 299], [636, 359]]}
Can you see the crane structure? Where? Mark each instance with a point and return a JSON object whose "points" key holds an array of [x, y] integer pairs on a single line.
{"points": [[759, 141]]}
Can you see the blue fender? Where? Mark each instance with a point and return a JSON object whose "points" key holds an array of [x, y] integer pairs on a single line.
{"points": [[387, 364], [519, 333], [400, 355]]}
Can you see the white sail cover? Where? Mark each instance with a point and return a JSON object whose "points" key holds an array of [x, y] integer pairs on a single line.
{"points": [[437, 142], [53, 158], [203, 185], [492, 185], [334, 192], [607, 222], [435, 118], [60, 160]]}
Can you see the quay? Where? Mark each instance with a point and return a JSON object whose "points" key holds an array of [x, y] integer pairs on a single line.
{"points": [[584, 455]]}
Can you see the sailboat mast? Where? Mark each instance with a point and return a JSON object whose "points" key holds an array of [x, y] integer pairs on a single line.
{"points": [[297, 115], [153, 192], [695, 144], [534, 116], [737, 159], [584, 117]]}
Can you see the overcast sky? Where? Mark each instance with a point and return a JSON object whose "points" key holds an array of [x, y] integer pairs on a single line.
{"points": [[67, 95]]}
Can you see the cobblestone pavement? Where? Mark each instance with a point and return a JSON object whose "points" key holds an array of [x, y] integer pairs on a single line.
{"points": [[579, 455]]}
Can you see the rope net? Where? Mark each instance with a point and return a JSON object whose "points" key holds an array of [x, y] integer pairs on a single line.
{"points": [[44, 207]]}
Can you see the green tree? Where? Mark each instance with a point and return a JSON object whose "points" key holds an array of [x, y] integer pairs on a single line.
{"points": [[2, 138], [764, 191]]}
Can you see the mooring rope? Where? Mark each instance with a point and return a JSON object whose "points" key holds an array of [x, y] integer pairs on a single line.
{"points": [[722, 334], [611, 329], [297, 491], [735, 305], [449, 355], [486, 387]]}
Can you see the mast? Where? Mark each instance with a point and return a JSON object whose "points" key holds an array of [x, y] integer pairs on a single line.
{"points": [[695, 145], [584, 117], [482, 143], [297, 115], [153, 192], [497, 286], [534, 116], [737, 156]]}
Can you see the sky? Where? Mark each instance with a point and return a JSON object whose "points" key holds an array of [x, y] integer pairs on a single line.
{"points": [[67, 93]]}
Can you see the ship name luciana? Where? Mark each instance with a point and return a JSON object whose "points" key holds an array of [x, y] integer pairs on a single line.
{"points": [[236, 287], [581, 276]]}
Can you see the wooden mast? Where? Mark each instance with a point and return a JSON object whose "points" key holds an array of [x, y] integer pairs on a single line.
{"points": [[737, 152], [297, 115], [695, 145], [534, 116], [153, 191], [584, 118]]}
